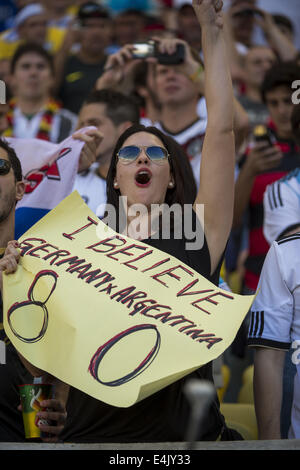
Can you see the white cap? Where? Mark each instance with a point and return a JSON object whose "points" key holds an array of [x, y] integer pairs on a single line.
{"points": [[30, 10]]}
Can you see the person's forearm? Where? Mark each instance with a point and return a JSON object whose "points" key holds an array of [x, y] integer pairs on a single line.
{"points": [[242, 192], [268, 376], [241, 124], [284, 48], [218, 84]]}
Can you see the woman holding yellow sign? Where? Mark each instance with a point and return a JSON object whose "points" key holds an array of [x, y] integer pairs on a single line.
{"points": [[145, 169]]}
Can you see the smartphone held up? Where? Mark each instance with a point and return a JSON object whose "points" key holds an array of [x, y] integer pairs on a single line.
{"points": [[151, 49]]}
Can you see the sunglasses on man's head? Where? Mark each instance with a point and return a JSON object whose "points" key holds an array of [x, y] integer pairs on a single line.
{"points": [[5, 166], [155, 153]]}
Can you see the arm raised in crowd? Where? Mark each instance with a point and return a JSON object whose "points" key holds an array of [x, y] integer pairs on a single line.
{"points": [[216, 190], [277, 40]]}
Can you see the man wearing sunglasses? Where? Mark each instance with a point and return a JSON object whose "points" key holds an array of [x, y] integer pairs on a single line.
{"points": [[12, 371]]}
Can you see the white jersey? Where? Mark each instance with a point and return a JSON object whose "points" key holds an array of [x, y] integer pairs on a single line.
{"points": [[25, 128], [275, 313], [282, 206], [92, 189], [191, 139]]}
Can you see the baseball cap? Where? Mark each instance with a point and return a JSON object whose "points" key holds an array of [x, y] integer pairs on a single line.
{"points": [[92, 10]]}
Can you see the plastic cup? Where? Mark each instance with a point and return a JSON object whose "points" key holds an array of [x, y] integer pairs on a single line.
{"points": [[31, 397]]}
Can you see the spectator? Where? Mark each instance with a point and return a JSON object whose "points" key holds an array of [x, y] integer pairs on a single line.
{"points": [[144, 421], [242, 21], [176, 93], [289, 9], [285, 25], [30, 25], [273, 328], [178, 96], [77, 71], [276, 38], [281, 219], [245, 16], [188, 26], [112, 113], [242, 18], [179, 89], [163, 416], [58, 12], [144, 90], [282, 198], [12, 372], [129, 27], [264, 164], [258, 60], [32, 111]]}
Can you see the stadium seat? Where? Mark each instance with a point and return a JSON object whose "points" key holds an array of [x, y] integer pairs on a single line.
{"points": [[226, 378], [246, 390], [242, 418]]}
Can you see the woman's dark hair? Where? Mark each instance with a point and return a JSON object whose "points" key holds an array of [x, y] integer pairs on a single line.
{"points": [[12, 156], [184, 191]]}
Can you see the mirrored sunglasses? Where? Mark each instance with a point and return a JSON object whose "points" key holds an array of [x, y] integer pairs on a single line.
{"points": [[130, 153]]}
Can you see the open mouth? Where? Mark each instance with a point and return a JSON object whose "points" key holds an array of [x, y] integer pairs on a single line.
{"points": [[143, 178]]}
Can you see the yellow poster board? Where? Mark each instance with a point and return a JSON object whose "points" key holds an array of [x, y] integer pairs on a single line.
{"points": [[109, 315]]}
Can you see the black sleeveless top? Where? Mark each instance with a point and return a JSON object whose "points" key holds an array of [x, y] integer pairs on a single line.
{"points": [[161, 417]]}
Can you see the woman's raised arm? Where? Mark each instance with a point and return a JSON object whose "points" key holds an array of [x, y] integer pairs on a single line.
{"points": [[216, 190]]}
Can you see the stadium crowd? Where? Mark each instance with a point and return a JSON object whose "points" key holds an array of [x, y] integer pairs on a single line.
{"points": [[71, 64]]}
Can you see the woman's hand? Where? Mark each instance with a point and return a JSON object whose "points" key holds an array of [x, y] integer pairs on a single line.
{"points": [[208, 12]]}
